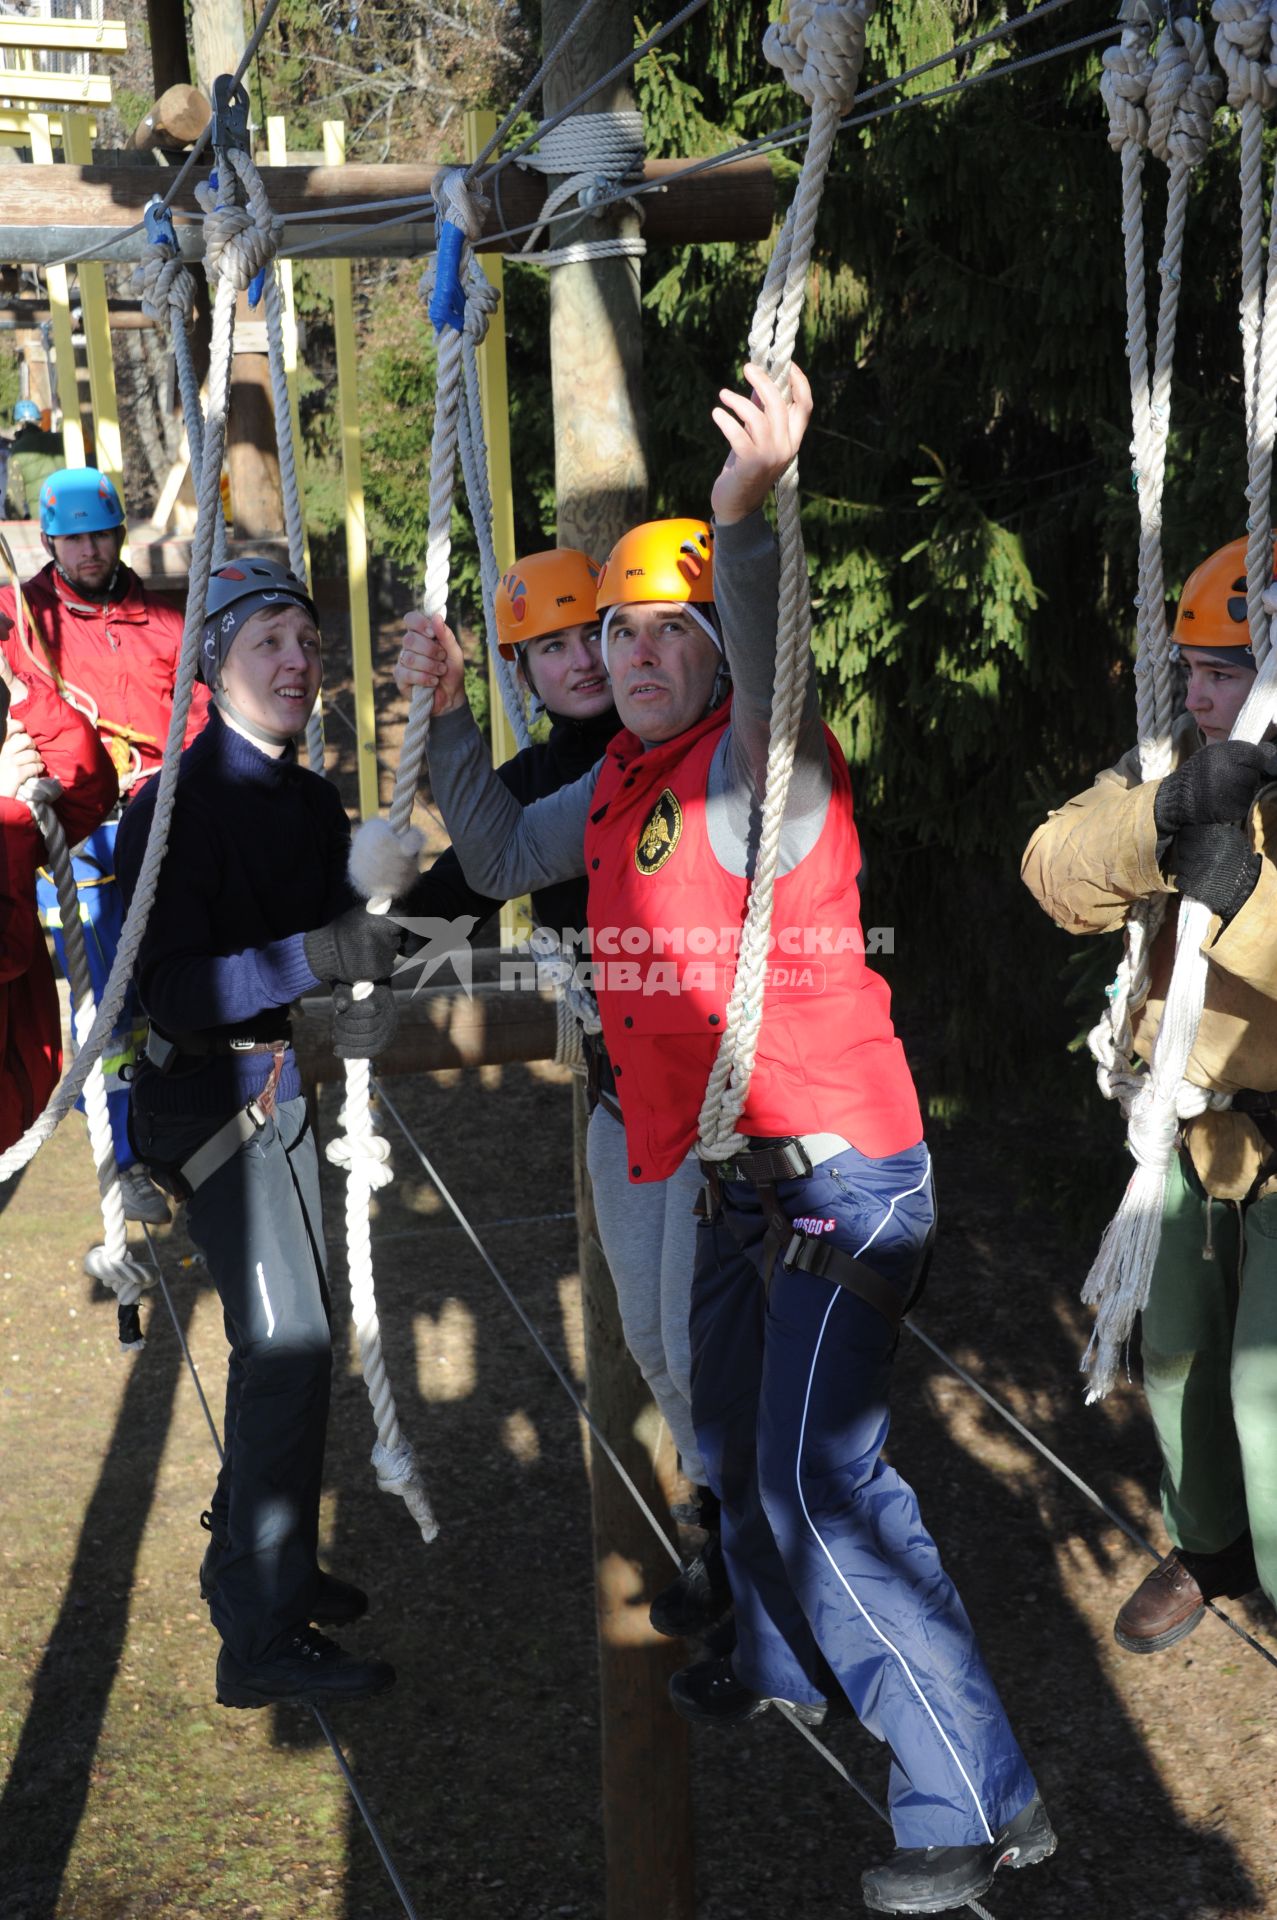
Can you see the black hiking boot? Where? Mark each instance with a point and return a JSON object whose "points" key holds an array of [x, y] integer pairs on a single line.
{"points": [[307, 1669], [333, 1602], [934, 1879], [710, 1694], [699, 1597]]}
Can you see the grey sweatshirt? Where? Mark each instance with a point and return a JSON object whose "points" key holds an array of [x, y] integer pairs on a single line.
{"points": [[506, 849]]}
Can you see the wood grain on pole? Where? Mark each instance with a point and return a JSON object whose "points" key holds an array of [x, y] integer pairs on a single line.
{"points": [[601, 481], [490, 1024], [177, 120]]}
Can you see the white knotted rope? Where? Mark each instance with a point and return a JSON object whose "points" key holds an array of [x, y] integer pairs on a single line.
{"points": [[1164, 103], [1118, 1282], [598, 152], [111, 1263], [393, 1456], [820, 50], [576, 1007]]}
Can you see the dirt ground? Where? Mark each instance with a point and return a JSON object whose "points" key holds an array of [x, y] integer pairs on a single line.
{"points": [[125, 1791]]}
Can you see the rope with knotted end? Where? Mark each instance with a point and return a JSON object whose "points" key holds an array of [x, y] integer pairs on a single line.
{"points": [[166, 287], [598, 152], [208, 510], [385, 853], [1164, 103], [1118, 1282], [820, 49]]}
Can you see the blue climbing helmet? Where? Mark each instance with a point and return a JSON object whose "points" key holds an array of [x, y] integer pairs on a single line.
{"points": [[27, 413], [78, 500]]}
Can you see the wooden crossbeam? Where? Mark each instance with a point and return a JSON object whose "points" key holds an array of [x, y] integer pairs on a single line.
{"points": [[47, 213], [63, 89], [64, 36]]}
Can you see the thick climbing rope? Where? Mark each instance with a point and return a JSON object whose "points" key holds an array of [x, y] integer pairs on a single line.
{"points": [[819, 49], [1164, 103], [384, 857], [1118, 1282], [230, 268]]}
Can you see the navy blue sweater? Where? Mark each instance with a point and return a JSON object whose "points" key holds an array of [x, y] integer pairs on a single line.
{"points": [[256, 858]]}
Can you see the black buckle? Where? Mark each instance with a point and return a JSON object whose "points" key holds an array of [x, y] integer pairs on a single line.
{"points": [[230, 117]]}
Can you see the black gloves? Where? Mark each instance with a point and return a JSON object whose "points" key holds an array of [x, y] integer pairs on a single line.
{"points": [[1218, 783], [1213, 862], [357, 945], [363, 1028]]}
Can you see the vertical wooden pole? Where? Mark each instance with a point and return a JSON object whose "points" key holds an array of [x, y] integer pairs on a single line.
{"points": [[277, 154], [60, 313], [356, 528], [78, 148], [596, 364], [218, 41], [494, 393], [170, 57]]}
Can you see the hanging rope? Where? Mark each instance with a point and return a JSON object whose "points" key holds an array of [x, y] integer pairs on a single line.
{"points": [[820, 49], [1119, 1279], [384, 856], [1164, 104]]}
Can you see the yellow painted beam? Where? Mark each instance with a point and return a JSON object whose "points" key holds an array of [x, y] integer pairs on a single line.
{"points": [[15, 126], [494, 394], [60, 314], [97, 332], [277, 154], [64, 36], [356, 524], [65, 89]]}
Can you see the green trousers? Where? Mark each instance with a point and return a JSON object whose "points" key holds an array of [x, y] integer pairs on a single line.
{"points": [[1210, 1370]]}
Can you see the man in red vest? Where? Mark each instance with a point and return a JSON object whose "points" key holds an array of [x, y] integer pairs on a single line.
{"points": [[111, 649], [817, 1230]]}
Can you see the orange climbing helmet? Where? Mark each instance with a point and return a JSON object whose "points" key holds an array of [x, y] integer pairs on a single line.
{"points": [[661, 560], [543, 594], [1212, 608]]}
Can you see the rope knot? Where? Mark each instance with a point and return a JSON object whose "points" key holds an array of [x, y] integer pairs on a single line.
{"points": [[1243, 45], [1124, 85], [164, 281], [125, 1278], [820, 49], [457, 203], [238, 241], [1183, 94]]}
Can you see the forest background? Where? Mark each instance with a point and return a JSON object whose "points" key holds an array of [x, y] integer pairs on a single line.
{"points": [[967, 499]]}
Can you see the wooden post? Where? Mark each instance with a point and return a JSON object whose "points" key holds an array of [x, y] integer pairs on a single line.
{"points": [[356, 528], [170, 56], [596, 364], [60, 310], [77, 145], [252, 459], [494, 393], [277, 149]]}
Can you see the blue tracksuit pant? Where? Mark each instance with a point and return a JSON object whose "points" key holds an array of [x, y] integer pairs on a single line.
{"points": [[831, 1566], [102, 917]]}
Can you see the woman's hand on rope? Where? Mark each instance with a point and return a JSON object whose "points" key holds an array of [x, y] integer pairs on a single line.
{"points": [[357, 945], [19, 762], [764, 431], [363, 1028], [431, 658]]}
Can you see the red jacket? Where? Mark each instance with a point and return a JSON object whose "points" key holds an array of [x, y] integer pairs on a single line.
{"points": [[665, 918], [122, 654], [30, 1025]]}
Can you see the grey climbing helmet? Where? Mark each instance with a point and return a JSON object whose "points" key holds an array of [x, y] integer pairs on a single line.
{"points": [[237, 590]]}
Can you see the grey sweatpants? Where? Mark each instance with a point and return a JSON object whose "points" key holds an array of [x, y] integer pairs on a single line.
{"points": [[649, 1237]]}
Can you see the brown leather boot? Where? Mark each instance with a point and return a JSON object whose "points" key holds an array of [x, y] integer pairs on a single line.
{"points": [[1170, 1601]]}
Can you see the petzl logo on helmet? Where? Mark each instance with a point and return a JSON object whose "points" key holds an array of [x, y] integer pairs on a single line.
{"points": [[661, 834]]}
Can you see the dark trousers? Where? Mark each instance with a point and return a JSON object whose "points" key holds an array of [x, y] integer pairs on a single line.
{"points": [[257, 1223], [831, 1566]]}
